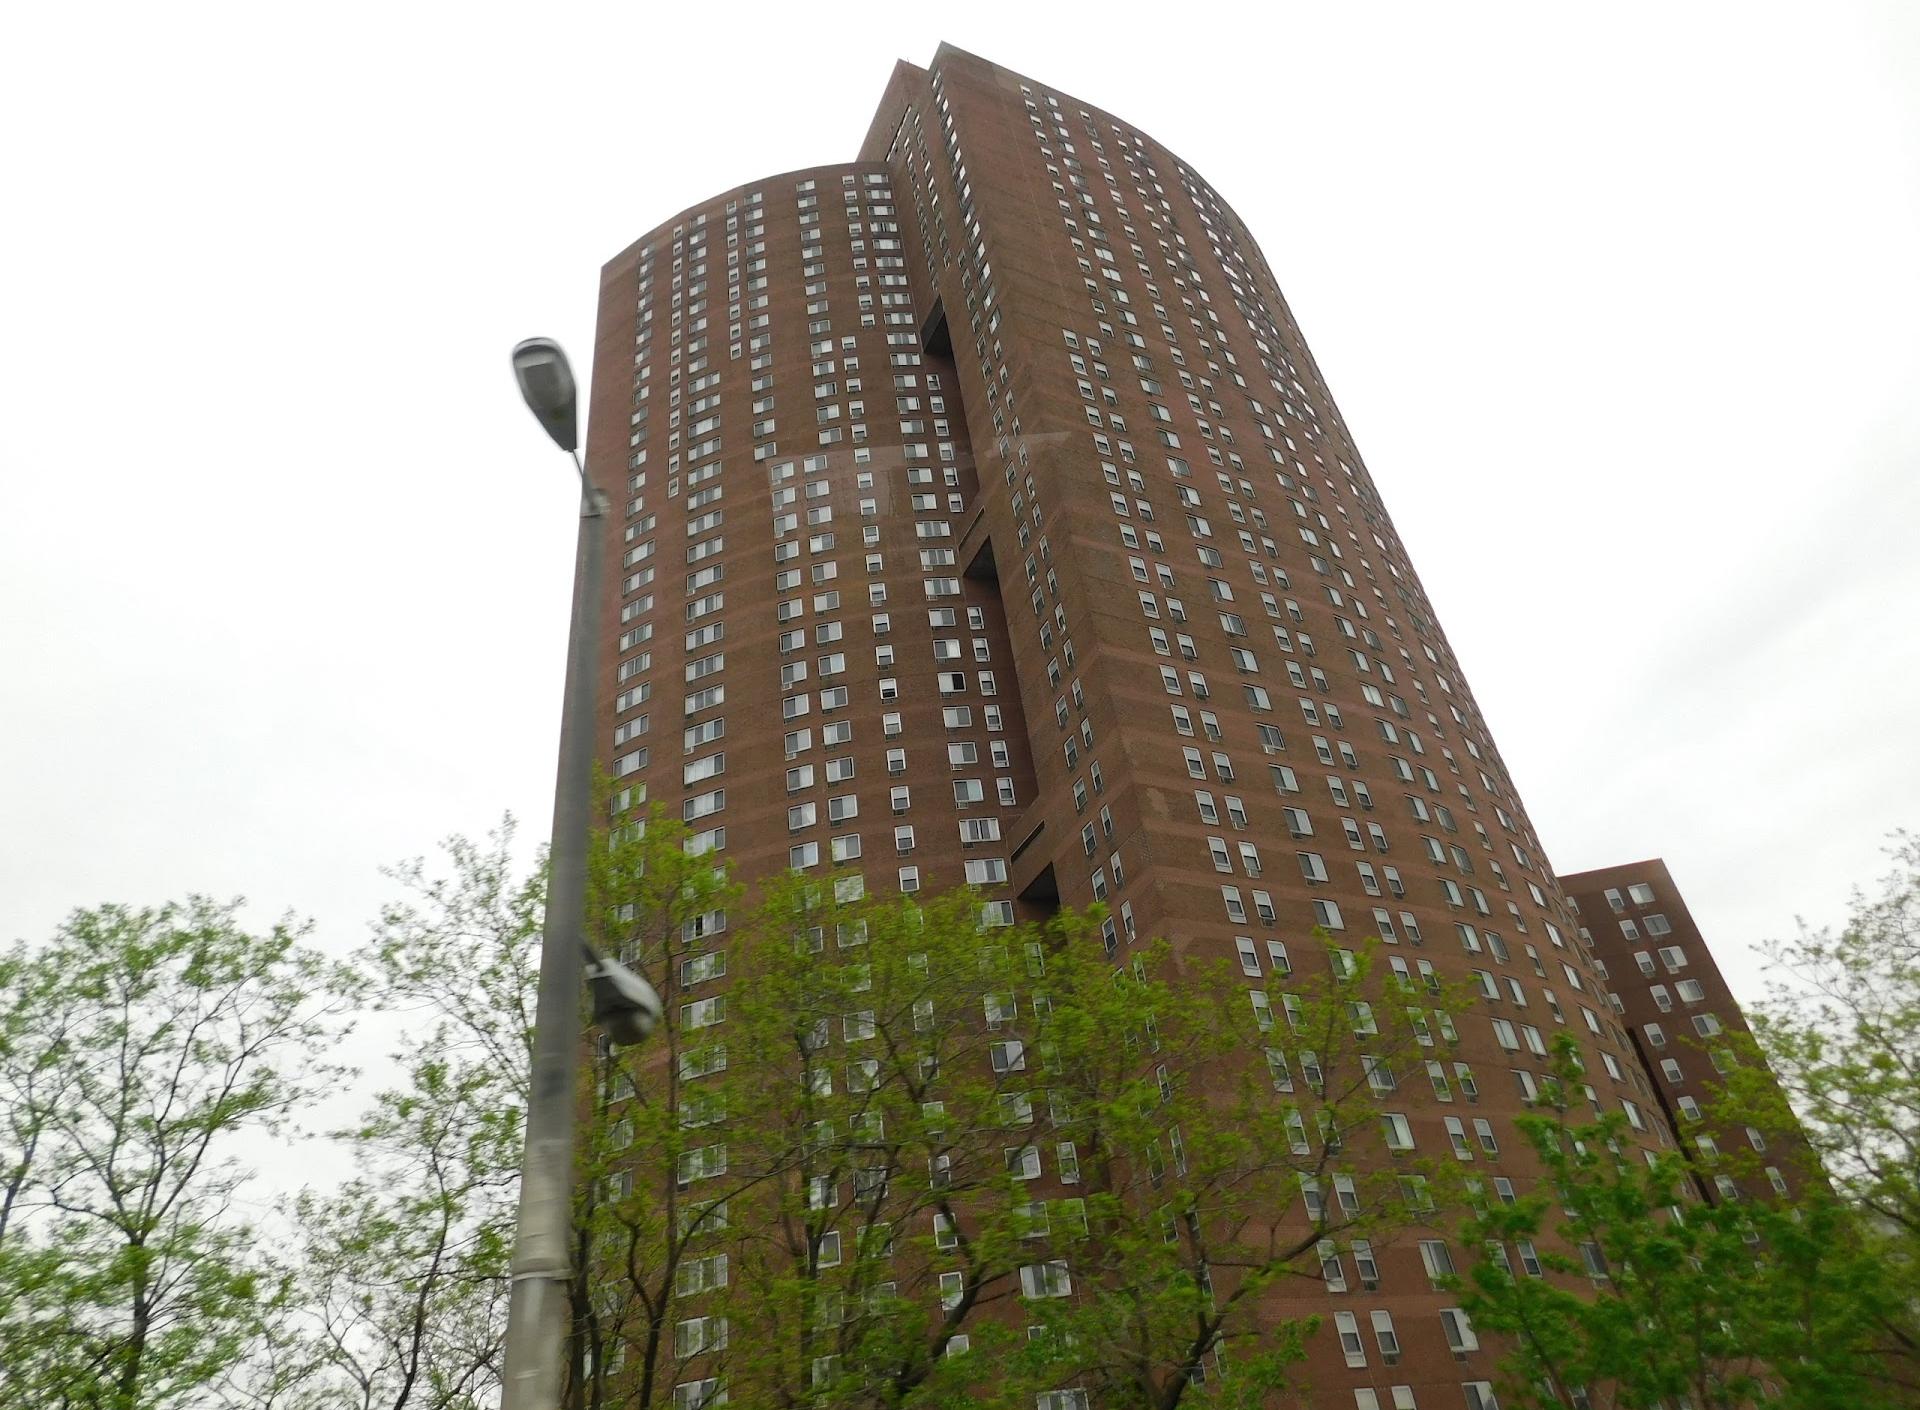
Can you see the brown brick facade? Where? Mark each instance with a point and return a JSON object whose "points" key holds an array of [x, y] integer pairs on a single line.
{"points": [[1683, 1021], [1189, 671]]}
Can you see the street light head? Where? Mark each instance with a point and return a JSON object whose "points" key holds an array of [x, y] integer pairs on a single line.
{"points": [[624, 1004], [546, 384]]}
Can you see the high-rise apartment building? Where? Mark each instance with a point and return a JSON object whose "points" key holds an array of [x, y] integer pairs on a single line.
{"points": [[1683, 1021], [983, 517]]}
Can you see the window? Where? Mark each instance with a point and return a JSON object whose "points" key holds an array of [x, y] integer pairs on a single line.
{"points": [[1332, 1272], [699, 1334], [1348, 1193], [1459, 1331], [702, 1163], [1050, 1279], [1438, 1260], [1347, 1326], [1363, 1260], [697, 1275], [986, 871], [1384, 1334], [953, 1286]]}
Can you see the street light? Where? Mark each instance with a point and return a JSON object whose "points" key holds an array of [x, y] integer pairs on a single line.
{"points": [[623, 1003]]}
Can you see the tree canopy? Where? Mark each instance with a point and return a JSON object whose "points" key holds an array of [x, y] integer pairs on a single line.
{"points": [[897, 1154]]}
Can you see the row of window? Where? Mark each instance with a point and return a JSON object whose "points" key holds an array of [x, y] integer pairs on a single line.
{"points": [[706, 510], [1222, 851]]}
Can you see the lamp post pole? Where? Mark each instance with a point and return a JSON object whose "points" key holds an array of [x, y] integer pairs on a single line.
{"points": [[538, 1306]]}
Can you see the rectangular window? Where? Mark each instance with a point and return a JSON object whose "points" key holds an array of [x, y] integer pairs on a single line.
{"points": [[1348, 1328], [1459, 1331], [1050, 1279]]}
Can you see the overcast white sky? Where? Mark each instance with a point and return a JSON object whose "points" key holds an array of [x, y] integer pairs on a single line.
{"points": [[1621, 302]]}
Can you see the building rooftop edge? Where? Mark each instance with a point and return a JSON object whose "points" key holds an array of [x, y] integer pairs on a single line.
{"points": [[654, 231], [1567, 878]]}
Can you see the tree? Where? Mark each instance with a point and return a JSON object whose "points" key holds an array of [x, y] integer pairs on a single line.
{"points": [[758, 1165], [1839, 1060], [1226, 1155], [659, 908], [1620, 1290], [400, 1279], [869, 1095], [401, 1274], [139, 1048], [881, 1150]]}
